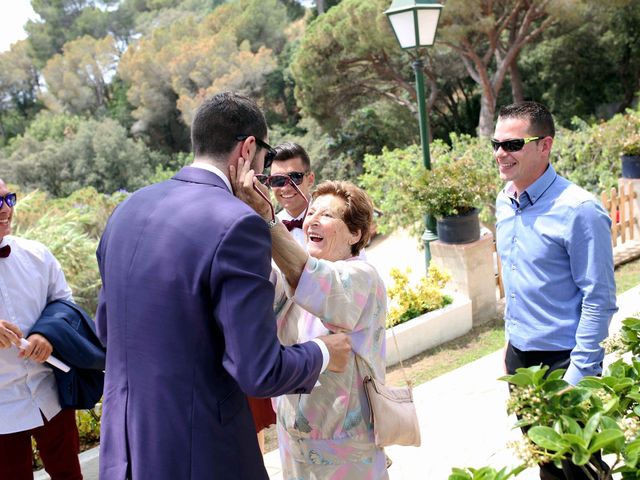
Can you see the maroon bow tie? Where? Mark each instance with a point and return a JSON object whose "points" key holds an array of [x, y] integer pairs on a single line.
{"points": [[5, 251], [291, 224]]}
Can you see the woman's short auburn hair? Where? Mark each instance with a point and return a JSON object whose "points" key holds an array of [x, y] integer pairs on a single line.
{"points": [[358, 214]]}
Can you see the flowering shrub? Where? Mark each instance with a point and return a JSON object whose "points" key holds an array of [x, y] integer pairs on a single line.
{"points": [[408, 302], [574, 422]]}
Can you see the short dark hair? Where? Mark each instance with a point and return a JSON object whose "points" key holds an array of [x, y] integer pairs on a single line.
{"points": [[288, 150], [220, 119], [540, 118], [359, 212]]}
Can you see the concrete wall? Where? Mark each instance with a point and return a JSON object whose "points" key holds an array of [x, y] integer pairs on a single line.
{"points": [[472, 273], [429, 330]]}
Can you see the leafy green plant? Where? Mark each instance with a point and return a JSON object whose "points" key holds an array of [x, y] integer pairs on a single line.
{"points": [[565, 422], [412, 301], [70, 227], [455, 187], [632, 145], [485, 473], [397, 181]]}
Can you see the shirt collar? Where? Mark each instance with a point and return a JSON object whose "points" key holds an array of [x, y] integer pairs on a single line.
{"points": [[536, 189], [215, 170], [287, 216]]}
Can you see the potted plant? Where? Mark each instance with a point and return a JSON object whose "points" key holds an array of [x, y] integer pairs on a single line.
{"points": [[453, 192], [631, 157]]}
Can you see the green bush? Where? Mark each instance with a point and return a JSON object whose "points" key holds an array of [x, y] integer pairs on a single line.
{"points": [[62, 154], [632, 146], [574, 422], [408, 302], [455, 187], [70, 227], [397, 182], [589, 155]]}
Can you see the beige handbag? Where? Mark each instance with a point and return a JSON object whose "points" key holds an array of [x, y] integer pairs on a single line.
{"points": [[393, 413]]}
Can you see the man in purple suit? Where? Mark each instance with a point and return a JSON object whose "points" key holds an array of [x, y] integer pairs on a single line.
{"points": [[186, 314]]}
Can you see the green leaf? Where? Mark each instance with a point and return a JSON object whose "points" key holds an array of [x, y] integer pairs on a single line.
{"points": [[460, 474], [521, 379], [606, 438], [570, 425], [555, 375], [591, 427], [547, 438], [580, 455], [575, 440]]}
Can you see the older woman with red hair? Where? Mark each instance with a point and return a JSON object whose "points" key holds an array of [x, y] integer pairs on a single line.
{"points": [[327, 433]]}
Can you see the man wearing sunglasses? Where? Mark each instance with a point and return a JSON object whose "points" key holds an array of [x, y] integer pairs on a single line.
{"points": [[30, 277], [186, 312], [292, 160], [554, 241]]}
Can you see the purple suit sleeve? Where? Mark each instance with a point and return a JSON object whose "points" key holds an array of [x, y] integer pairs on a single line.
{"points": [[243, 302]]}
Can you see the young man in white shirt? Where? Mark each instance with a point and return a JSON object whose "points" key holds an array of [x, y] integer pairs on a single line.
{"points": [[292, 160], [30, 277]]}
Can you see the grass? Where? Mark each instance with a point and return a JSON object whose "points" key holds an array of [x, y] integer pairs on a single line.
{"points": [[627, 276], [480, 341]]}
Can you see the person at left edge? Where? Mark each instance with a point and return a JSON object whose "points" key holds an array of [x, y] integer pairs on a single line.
{"points": [[30, 277], [186, 313]]}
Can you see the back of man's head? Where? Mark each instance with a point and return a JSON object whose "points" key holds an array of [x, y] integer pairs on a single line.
{"points": [[288, 150], [540, 119], [221, 119]]}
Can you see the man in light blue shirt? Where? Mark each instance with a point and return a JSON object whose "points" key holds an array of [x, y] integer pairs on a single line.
{"points": [[554, 241]]}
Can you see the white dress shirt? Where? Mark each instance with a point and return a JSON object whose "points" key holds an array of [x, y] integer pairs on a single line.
{"points": [[30, 277], [298, 233]]}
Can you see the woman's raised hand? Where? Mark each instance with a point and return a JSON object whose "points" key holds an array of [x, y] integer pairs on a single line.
{"points": [[245, 185]]}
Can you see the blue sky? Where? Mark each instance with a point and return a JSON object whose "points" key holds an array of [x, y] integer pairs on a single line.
{"points": [[12, 19]]}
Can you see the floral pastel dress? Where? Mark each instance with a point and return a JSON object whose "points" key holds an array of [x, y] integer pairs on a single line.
{"points": [[327, 434]]}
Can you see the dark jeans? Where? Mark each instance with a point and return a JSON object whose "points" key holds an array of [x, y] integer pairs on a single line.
{"points": [[515, 359]]}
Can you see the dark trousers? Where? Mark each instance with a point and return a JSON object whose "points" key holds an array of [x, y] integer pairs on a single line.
{"points": [[515, 359], [58, 444]]}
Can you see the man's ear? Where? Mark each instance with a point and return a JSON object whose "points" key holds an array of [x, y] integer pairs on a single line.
{"points": [[547, 143], [248, 148], [312, 178]]}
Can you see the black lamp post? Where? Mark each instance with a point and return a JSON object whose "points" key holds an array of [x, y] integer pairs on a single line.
{"points": [[414, 23]]}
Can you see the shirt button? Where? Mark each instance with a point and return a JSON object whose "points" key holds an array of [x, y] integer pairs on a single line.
{"points": [[513, 295], [515, 240], [519, 210], [513, 267]]}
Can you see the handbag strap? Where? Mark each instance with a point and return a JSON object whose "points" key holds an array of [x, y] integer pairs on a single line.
{"points": [[404, 373]]}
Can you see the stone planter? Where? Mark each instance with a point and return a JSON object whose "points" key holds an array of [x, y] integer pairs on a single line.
{"points": [[430, 330]]}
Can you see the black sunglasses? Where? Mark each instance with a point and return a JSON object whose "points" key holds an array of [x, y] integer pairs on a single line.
{"points": [[280, 179], [286, 179], [271, 152], [10, 198], [513, 145]]}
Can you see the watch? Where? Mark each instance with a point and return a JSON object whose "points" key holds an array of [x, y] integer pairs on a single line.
{"points": [[272, 223]]}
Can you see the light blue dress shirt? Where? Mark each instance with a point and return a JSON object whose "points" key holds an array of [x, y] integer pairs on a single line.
{"points": [[554, 242]]}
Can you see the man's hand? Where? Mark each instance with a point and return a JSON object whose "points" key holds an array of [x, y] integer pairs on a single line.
{"points": [[39, 348], [10, 334], [339, 346]]}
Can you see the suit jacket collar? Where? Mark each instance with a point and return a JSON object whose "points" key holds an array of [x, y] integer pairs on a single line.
{"points": [[200, 175]]}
